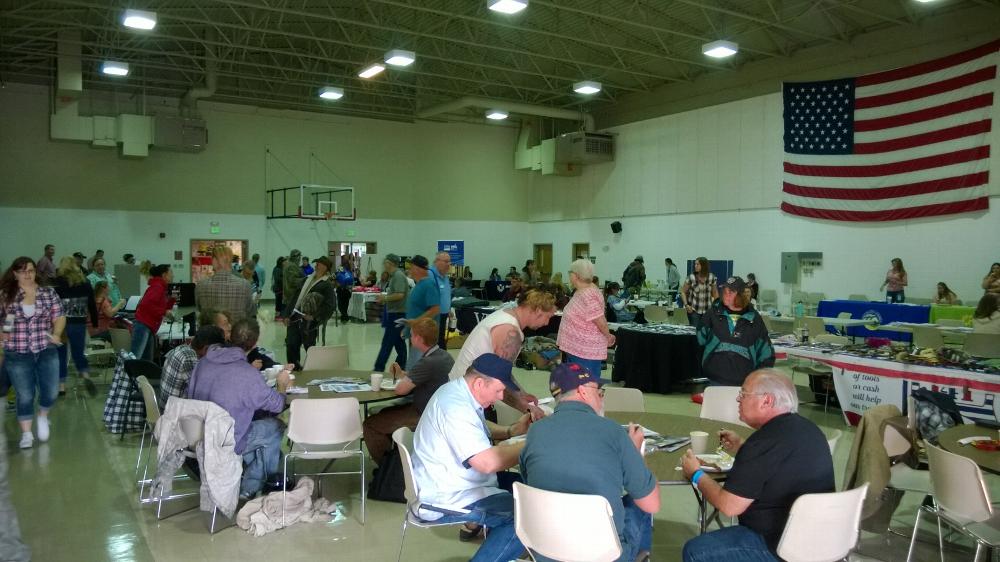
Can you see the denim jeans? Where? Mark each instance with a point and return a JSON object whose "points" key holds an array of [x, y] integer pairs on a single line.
{"points": [[895, 296], [392, 338], [142, 347], [636, 535], [264, 434], [30, 370], [11, 547], [695, 319], [594, 365], [496, 513], [732, 543], [77, 336]]}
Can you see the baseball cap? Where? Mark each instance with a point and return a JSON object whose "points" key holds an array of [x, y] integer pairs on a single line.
{"points": [[393, 258], [78, 255], [735, 284], [494, 366], [566, 377], [419, 261], [325, 261], [639, 259]]}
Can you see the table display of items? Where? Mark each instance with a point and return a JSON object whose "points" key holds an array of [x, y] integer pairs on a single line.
{"points": [[656, 357], [878, 313], [362, 305]]}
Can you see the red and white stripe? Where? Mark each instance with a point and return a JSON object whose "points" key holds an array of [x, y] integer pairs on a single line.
{"points": [[921, 146]]}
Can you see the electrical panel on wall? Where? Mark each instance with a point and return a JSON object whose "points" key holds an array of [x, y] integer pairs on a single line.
{"points": [[794, 264]]}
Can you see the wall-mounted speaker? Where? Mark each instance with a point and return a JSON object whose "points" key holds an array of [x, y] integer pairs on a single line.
{"points": [[616, 227]]}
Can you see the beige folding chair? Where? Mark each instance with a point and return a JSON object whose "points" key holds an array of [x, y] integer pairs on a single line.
{"points": [[833, 440], [655, 314], [902, 476], [621, 399], [152, 416], [121, 339], [815, 325], [831, 338], [822, 527], [541, 519], [719, 403], [679, 317], [926, 336], [324, 428], [403, 438], [768, 297], [326, 357], [962, 501], [983, 345]]}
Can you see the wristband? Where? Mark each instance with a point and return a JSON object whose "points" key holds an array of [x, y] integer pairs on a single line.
{"points": [[510, 431], [696, 476]]}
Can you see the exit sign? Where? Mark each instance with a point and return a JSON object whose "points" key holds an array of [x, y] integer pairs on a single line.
{"points": [[213, 227]]}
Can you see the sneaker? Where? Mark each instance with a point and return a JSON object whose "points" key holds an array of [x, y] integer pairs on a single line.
{"points": [[26, 440], [43, 429]]}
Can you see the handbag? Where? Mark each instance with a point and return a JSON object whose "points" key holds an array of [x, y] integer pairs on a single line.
{"points": [[387, 480]]}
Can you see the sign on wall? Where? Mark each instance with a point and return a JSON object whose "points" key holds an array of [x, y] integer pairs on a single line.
{"points": [[455, 249]]}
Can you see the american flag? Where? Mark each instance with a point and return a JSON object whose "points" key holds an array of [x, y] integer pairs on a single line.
{"points": [[906, 143]]}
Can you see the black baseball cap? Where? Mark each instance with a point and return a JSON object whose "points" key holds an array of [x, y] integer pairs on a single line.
{"points": [[735, 284], [419, 261], [494, 366]]}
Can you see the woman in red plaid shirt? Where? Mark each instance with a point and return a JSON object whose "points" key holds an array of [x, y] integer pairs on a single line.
{"points": [[33, 324]]}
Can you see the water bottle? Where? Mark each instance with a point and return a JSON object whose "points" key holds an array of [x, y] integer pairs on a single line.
{"points": [[888, 299], [805, 333]]}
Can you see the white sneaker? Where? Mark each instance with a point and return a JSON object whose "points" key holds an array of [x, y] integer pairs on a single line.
{"points": [[26, 440], [43, 428]]}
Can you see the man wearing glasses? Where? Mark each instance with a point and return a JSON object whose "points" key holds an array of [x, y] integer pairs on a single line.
{"points": [[786, 457], [578, 451]]}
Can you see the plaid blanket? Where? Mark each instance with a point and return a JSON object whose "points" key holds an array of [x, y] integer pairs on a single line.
{"points": [[122, 414]]}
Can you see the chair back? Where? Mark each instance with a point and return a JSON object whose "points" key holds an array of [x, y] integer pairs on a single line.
{"points": [[831, 338], [621, 399], [833, 440], [136, 368], [679, 317], [959, 489], [193, 429], [983, 345], [719, 403], [858, 297], [121, 339], [326, 357], [149, 399], [541, 519], [324, 421], [655, 313], [814, 298], [822, 527], [768, 296], [403, 437], [815, 325], [895, 443], [926, 336]]}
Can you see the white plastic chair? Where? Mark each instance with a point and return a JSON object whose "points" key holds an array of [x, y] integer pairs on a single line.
{"points": [[679, 317], [152, 416], [403, 438], [833, 440], [621, 399], [326, 357], [926, 336], [822, 527], [655, 313], [121, 339], [831, 339], [541, 520], [983, 345], [324, 428], [815, 325], [902, 476], [963, 501], [719, 403]]}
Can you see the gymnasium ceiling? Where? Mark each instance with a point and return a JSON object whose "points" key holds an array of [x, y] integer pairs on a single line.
{"points": [[277, 53]]}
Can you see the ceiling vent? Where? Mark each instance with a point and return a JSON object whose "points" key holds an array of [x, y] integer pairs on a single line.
{"points": [[585, 148]]}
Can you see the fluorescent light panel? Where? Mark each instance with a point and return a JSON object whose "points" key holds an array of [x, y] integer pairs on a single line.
{"points": [[331, 93], [507, 6], [139, 19], [400, 57], [370, 71], [114, 68], [720, 49], [496, 114], [587, 87]]}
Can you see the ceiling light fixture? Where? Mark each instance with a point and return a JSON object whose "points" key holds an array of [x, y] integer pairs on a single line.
{"points": [[331, 93], [114, 68], [400, 57], [720, 49], [507, 6], [925, 1], [139, 19], [496, 114], [587, 87], [370, 71]]}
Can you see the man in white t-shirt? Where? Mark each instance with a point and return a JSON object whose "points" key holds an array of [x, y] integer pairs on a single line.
{"points": [[455, 463]]}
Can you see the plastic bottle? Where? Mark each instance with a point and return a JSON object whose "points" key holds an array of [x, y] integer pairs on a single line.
{"points": [[805, 333]]}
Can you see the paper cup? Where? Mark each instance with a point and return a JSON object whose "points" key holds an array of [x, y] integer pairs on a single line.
{"points": [[376, 381], [699, 442]]}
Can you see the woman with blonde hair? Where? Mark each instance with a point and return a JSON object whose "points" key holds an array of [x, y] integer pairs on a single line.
{"points": [[584, 337], [79, 306], [944, 295], [895, 281]]}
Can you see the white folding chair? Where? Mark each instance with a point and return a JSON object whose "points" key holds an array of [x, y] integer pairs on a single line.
{"points": [[679, 317], [926, 336], [962, 501], [719, 403], [902, 476], [833, 440], [822, 527], [655, 313], [983, 345], [121, 339], [815, 325], [152, 416], [403, 438], [621, 399], [541, 519], [831, 339], [326, 357], [324, 428]]}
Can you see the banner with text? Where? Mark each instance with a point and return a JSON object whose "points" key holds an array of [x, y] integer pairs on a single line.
{"points": [[859, 391], [455, 249]]}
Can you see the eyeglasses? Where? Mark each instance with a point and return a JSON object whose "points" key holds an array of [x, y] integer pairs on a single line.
{"points": [[743, 394], [26, 271], [600, 390]]}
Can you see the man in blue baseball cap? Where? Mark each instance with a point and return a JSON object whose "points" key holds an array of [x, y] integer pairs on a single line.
{"points": [[458, 469], [605, 458]]}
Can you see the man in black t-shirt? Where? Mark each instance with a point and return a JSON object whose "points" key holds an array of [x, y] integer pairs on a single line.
{"points": [[786, 457]]}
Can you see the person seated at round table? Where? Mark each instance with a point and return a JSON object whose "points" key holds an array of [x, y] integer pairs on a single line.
{"points": [[787, 456], [618, 300], [986, 318], [181, 360], [733, 338], [944, 295]]}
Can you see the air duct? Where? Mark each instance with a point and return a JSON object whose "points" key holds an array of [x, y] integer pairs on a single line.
{"points": [[189, 104], [511, 107]]}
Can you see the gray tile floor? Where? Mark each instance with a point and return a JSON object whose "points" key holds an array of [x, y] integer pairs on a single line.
{"points": [[76, 495]]}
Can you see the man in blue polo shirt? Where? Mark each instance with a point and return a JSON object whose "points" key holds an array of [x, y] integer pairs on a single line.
{"points": [[442, 263], [578, 451], [422, 302]]}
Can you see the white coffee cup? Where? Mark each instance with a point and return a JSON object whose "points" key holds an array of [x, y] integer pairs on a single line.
{"points": [[699, 442], [376, 381]]}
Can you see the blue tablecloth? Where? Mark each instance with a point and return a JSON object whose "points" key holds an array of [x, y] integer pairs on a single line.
{"points": [[878, 311]]}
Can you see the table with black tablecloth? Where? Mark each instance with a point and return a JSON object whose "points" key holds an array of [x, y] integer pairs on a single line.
{"points": [[656, 357]]}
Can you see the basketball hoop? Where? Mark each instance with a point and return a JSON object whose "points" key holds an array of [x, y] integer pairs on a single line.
{"points": [[329, 215]]}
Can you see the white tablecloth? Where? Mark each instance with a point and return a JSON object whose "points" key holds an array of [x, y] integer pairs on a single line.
{"points": [[356, 308]]}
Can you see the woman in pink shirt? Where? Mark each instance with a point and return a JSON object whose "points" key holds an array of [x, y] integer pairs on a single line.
{"points": [[583, 333], [895, 280]]}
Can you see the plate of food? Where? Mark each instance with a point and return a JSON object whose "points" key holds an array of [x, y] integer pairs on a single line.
{"points": [[987, 444], [389, 385], [715, 462]]}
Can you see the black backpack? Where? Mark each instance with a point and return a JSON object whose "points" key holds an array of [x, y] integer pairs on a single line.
{"points": [[387, 480], [630, 277]]}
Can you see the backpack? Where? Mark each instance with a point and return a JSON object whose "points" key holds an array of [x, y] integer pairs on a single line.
{"points": [[936, 412], [387, 480], [631, 277]]}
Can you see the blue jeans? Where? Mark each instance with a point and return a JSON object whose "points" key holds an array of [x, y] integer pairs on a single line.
{"points": [[636, 535], [30, 370], [264, 434], [392, 338], [496, 513], [732, 543], [77, 336], [142, 347], [895, 296], [594, 365]]}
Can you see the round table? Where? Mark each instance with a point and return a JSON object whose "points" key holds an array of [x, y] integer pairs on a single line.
{"points": [[655, 362], [364, 398], [987, 460]]}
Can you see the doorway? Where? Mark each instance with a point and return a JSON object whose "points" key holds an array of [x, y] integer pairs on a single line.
{"points": [[581, 250], [543, 258], [201, 255]]}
